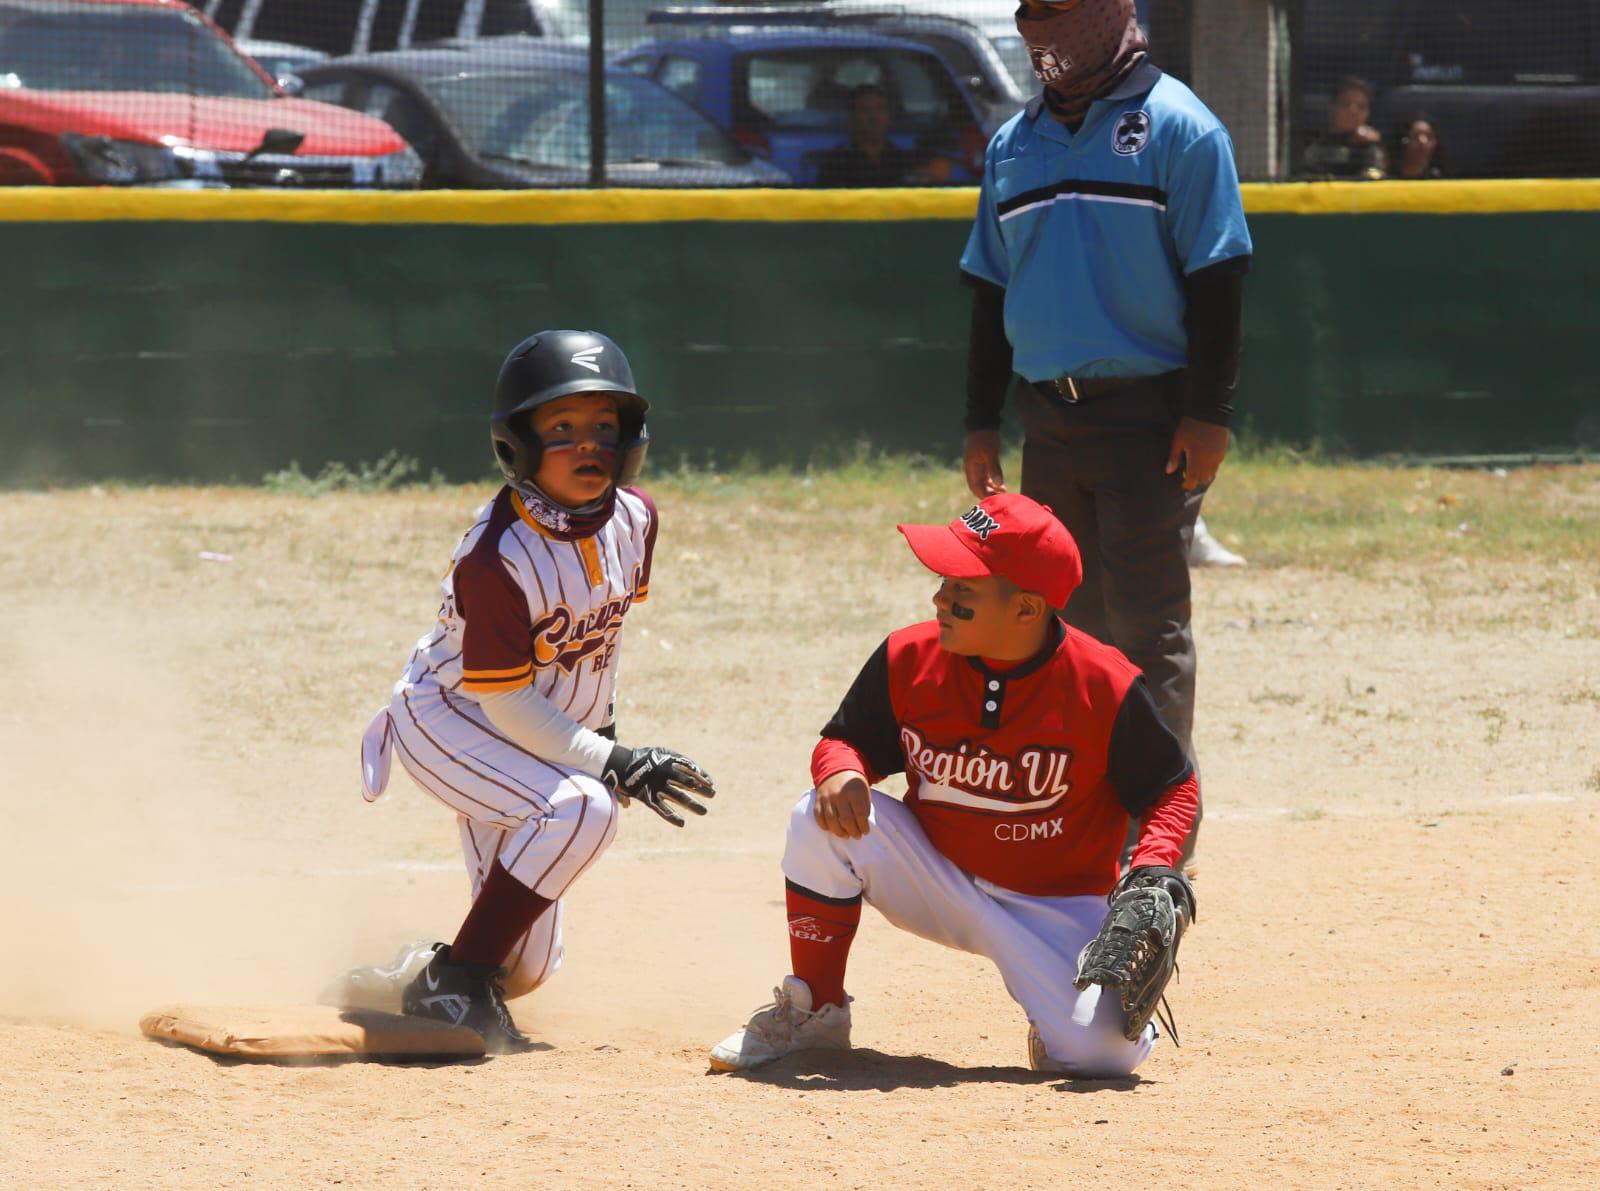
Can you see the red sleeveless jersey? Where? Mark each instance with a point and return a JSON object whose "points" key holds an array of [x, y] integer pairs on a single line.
{"points": [[1027, 776]]}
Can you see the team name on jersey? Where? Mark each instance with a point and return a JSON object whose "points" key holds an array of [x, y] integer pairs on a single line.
{"points": [[564, 638], [1034, 780]]}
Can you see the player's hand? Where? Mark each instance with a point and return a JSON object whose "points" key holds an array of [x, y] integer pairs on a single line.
{"points": [[1197, 451], [980, 459], [843, 803], [657, 777]]}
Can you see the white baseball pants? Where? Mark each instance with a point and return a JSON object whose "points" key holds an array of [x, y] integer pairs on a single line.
{"points": [[545, 823], [1034, 941]]}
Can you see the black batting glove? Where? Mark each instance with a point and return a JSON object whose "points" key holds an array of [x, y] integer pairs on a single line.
{"points": [[657, 777]]}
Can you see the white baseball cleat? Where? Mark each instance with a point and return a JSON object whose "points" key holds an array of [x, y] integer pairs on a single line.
{"points": [[782, 1028], [380, 987], [1206, 551]]}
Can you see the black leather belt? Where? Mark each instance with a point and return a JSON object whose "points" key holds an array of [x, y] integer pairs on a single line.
{"points": [[1073, 389]]}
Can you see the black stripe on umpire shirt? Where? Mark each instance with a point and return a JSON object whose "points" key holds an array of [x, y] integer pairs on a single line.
{"points": [[1122, 190]]}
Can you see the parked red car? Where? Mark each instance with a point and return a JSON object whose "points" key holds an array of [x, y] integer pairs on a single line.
{"points": [[120, 92]]}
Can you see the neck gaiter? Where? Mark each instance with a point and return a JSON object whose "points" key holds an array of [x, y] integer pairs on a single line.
{"points": [[562, 523], [1081, 49]]}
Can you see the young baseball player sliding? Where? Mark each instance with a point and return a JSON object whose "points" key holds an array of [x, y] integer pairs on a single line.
{"points": [[504, 711], [1026, 745]]}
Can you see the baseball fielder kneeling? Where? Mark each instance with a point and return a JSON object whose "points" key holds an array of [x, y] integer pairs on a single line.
{"points": [[1027, 746]]}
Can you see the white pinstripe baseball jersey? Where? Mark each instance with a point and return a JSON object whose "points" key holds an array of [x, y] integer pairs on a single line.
{"points": [[522, 606]]}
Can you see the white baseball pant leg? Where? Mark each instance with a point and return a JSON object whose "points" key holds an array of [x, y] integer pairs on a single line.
{"points": [[1034, 941], [545, 823]]}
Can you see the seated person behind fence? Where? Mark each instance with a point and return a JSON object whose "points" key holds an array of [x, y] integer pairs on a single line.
{"points": [[1350, 148], [1419, 156], [869, 157]]}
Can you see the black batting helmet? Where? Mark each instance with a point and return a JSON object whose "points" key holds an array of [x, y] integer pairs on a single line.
{"points": [[556, 364]]}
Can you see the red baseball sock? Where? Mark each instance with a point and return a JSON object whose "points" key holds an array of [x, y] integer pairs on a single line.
{"points": [[501, 914], [820, 931]]}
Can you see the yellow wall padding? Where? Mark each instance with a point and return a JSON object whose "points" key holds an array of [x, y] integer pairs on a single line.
{"points": [[40, 204]]}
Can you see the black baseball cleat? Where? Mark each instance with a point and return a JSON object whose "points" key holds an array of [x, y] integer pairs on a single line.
{"points": [[465, 995]]}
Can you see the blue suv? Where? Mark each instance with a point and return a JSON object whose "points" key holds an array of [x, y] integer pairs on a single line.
{"points": [[785, 95]]}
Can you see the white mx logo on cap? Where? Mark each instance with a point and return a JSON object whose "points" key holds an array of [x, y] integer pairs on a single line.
{"points": [[586, 358], [979, 522]]}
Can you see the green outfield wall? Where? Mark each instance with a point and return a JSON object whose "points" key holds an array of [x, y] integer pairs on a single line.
{"points": [[219, 336]]}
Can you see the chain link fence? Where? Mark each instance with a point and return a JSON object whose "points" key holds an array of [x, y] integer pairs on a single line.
{"points": [[795, 93]]}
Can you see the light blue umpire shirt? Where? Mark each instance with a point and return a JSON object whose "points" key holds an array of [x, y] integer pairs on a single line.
{"points": [[1091, 233]]}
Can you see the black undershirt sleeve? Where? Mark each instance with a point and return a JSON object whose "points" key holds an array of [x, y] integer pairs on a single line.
{"points": [[866, 720], [988, 355], [1146, 759], [1214, 320]]}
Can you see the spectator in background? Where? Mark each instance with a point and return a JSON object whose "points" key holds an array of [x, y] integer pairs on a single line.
{"points": [[869, 157], [1419, 156], [1351, 149]]}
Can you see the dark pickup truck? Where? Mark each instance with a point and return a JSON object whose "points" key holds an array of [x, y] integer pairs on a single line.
{"points": [[1513, 88]]}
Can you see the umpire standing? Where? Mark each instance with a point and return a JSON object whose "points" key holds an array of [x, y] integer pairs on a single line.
{"points": [[1107, 262]]}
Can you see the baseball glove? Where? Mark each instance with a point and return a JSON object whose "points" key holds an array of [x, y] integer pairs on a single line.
{"points": [[1136, 951]]}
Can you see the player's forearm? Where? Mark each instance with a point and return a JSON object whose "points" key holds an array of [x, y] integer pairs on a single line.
{"points": [[833, 756], [1214, 320], [532, 722], [989, 356], [1163, 830]]}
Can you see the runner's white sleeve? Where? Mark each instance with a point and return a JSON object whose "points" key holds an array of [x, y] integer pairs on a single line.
{"points": [[533, 722]]}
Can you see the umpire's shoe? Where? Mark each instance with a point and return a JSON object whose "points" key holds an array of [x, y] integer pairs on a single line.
{"points": [[465, 995]]}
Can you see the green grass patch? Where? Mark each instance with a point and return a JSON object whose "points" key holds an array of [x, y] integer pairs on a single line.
{"points": [[1284, 510], [1276, 506]]}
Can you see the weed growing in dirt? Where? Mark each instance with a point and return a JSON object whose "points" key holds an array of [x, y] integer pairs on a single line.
{"points": [[1282, 698], [389, 472]]}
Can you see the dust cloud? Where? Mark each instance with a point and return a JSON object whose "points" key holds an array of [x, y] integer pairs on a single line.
{"points": [[132, 871]]}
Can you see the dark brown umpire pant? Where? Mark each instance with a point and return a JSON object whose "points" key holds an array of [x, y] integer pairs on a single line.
{"points": [[1100, 465]]}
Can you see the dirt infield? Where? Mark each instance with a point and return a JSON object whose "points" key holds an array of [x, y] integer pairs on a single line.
{"points": [[1395, 979]]}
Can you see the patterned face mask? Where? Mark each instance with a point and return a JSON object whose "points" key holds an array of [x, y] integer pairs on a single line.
{"points": [[1081, 49], [563, 523]]}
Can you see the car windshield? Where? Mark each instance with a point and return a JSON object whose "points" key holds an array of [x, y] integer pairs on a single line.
{"points": [[52, 45], [810, 89], [542, 118], [1019, 66]]}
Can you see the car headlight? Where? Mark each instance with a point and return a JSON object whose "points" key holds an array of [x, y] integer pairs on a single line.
{"points": [[400, 169], [120, 163]]}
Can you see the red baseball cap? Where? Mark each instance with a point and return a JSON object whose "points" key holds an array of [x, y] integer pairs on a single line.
{"points": [[1007, 535]]}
